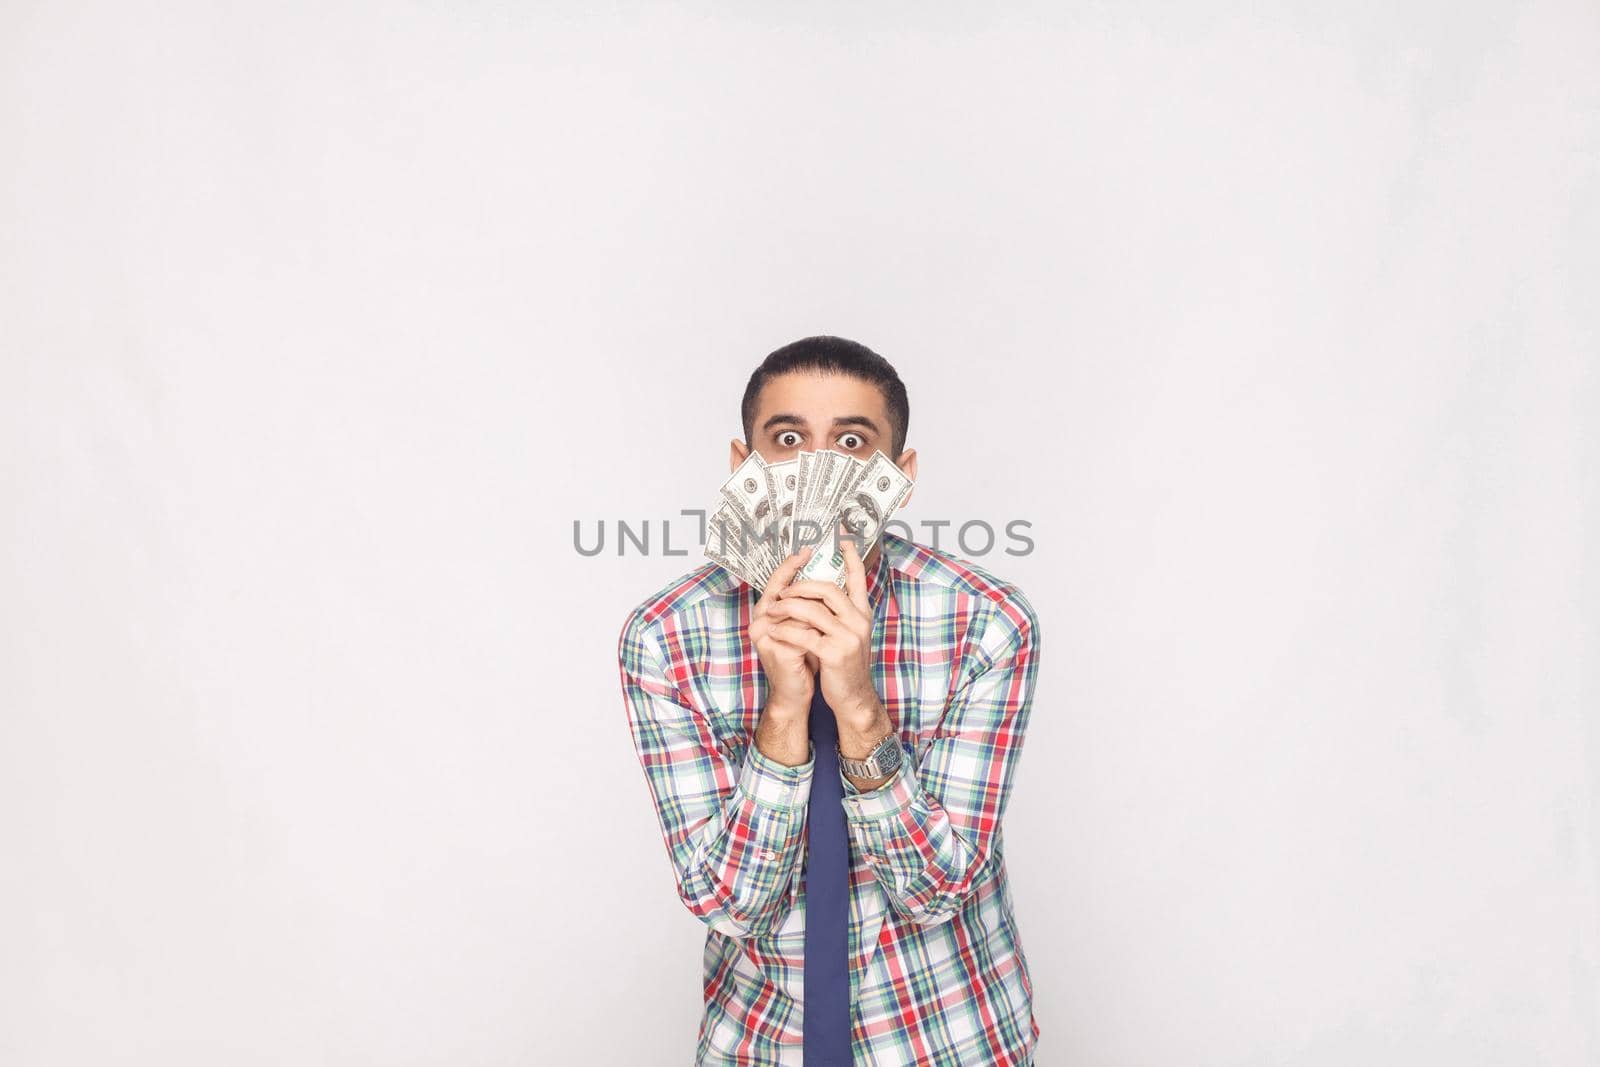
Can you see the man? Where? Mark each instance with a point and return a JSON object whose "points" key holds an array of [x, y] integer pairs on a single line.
{"points": [[741, 702]]}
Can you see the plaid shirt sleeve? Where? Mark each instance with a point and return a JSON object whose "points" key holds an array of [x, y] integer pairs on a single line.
{"points": [[733, 832], [928, 830]]}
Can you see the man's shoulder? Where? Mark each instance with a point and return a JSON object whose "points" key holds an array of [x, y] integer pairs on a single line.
{"points": [[939, 572], [705, 585]]}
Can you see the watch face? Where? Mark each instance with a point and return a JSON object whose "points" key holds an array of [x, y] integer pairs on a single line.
{"points": [[888, 753]]}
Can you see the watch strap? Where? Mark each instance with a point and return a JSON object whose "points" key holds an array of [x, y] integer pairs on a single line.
{"points": [[881, 761]]}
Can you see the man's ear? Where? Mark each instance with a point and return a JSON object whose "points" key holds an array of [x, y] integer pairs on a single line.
{"points": [[908, 463], [738, 452]]}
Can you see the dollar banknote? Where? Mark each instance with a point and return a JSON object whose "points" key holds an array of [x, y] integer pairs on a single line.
{"points": [[729, 542], [743, 527], [873, 494], [766, 512], [823, 477], [783, 479]]}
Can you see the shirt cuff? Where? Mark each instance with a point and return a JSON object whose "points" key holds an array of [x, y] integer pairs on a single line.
{"points": [[890, 798], [770, 783]]}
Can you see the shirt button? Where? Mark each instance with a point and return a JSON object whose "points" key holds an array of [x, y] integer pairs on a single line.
{"points": [[768, 855]]}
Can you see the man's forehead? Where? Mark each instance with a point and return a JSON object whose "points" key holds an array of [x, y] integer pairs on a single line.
{"points": [[828, 396]]}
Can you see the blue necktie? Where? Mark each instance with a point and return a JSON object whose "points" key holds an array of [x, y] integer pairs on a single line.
{"points": [[825, 1010]]}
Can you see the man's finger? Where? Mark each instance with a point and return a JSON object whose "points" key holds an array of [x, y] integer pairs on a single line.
{"points": [[784, 574], [836, 599], [855, 576], [796, 634], [810, 611]]}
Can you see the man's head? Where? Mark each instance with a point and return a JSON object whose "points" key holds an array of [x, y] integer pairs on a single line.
{"points": [[825, 392]]}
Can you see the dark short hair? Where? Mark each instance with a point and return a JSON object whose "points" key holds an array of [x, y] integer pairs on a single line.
{"points": [[825, 354]]}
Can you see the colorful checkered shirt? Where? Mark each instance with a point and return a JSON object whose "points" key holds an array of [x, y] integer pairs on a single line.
{"points": [[937, 971]]}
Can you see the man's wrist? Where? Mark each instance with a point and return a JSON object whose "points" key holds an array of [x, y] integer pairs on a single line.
{"points": [[786, 710], [783, 736], [861, 714], [860, 734]]}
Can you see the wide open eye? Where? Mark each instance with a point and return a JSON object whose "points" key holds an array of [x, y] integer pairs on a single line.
{"points": [[851, 441], [788, 438]]}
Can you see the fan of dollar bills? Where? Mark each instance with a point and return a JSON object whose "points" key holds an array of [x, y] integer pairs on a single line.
{"points": [[767, 512]]}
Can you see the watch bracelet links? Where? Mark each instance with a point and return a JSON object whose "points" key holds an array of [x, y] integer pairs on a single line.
{"points": [[865, 768]]}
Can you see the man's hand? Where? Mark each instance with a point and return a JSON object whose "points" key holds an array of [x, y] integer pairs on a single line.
{"points": [[789, 676], [836, 627]]}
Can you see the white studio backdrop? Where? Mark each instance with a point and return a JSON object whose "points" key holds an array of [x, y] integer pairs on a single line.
{"points": [[322, 324]]}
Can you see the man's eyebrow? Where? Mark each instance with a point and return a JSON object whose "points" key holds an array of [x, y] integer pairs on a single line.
{"points": [[857, 420], [783, 419]]}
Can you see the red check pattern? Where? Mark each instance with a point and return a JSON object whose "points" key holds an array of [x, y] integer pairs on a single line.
{"points": [[938, 976]]}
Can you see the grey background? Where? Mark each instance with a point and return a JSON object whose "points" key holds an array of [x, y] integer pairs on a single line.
{"points": [[322, 323]]}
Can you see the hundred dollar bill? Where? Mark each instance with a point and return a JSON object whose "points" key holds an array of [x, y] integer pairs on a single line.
{"points": [[729, 543], [866, 506], [720, 548], [730, 563], [747, 493], [817, 485], [782, 483], [746, 487], [803, 464], [830, 497]]}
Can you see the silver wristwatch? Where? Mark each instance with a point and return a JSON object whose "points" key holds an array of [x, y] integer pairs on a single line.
{"points": [[883, 760]]}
